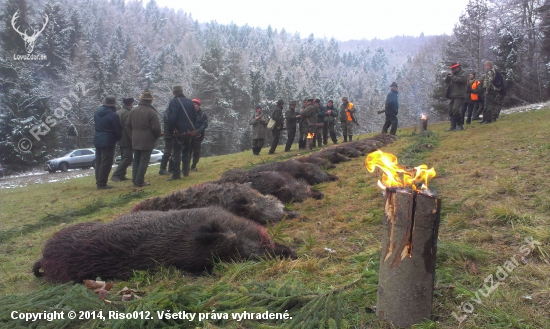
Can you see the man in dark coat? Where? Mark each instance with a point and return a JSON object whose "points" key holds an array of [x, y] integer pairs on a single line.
{"points": [[457, 84], [108, 131], [391, 110], [182, 119], [125, 143], [202, 124], [328, 124], [259, 130], [301, 140], [144, 124], [277, 115], [291, 117]]}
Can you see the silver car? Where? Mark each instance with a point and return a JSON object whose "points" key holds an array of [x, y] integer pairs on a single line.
{"points": [[82, 158]]}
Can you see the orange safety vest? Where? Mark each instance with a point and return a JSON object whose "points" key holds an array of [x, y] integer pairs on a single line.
{"points": [[348, 113], [475, 97]]}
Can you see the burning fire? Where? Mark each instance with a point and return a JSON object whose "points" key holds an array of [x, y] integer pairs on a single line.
{"points": [[396, 175], [423, 116], [310, 135]]}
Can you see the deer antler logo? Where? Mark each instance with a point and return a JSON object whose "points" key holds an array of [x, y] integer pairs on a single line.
{"points": [[29, 40]]}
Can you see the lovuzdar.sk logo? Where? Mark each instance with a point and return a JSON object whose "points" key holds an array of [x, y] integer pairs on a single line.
{"points": [[29, 39]]}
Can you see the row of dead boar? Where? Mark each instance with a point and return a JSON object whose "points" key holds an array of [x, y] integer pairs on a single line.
{"points": [[191, 228]]}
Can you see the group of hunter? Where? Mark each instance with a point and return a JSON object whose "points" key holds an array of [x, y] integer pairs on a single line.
{"points": [[137, 129]]}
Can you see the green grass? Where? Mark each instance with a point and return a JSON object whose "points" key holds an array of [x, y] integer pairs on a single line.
{"points": [[493, 183]]}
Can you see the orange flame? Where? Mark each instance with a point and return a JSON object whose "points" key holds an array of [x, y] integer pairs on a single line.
{"points": [[395, 175], [310, 135], [423, 116]]}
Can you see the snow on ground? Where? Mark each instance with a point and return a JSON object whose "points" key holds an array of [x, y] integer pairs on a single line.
{"points": [[526, 108]]}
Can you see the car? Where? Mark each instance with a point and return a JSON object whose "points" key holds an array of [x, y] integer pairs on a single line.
{"points": [[156, 156], [81, 158]]}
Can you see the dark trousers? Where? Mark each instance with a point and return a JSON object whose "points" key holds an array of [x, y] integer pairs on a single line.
{"points": [[276, 136], [318, 136], [126, 157], [466, 108], [257, 145], [328, 127], [391, 120], [104, 157], [139, 167], [489, 105], [167, 156], [455, 105], [195, 150], [181, 148], [478, 110], [291, 131]]}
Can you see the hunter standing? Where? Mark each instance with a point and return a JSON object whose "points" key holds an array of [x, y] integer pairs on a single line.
{"points": [[167, 155], [391, 110], [321, 113], [196, 142], [108, 131], [125, 143], [346, 119], [259, 130], [144, 124], [291, 117], [328, 124], [491, 91], [301, 140], [277, 115], [182, 119], [309, 123], [457, 84]]}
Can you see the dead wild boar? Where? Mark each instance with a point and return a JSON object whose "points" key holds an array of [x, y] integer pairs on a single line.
{"points": [[190, 240], [311, 173], [281, 185], [315, 159], [239, 199]]}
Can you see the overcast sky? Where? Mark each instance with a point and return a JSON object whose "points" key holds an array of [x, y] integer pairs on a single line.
{"points": [[341, 19]]}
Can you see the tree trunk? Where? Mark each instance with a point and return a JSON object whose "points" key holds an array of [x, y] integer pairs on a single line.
{"points": [[423, 124], [408, 256]]}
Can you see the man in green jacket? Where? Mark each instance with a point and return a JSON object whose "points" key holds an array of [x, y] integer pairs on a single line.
{"points": [[457, 83], [125, 143], [346, 119], [259, 130], [491, 92], [309, 122], [144, 124], [277, 115]]}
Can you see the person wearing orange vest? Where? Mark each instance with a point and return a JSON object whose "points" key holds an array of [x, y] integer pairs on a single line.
{"points": [[471, 98], [346, 118]]}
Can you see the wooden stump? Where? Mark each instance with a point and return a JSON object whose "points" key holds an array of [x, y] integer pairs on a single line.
{"points": [[408, 256], [423, 124]]}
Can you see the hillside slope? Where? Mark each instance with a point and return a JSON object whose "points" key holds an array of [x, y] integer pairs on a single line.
{"points": [[492, 181]]}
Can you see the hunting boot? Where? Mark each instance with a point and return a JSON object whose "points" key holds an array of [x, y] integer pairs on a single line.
{"points": [[453, 125], [350, 137], [163, 164], [459, 127], [174, 177]]}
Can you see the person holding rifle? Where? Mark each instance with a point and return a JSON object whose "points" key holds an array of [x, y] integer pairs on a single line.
{"points": [[182, 119], [391, 109]]}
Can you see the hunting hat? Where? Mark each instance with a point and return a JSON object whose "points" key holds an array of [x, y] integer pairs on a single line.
{"points": [[393, 84], [344, 99], [128, 100], [309, 100], [305, 100], [196, 100], [330, 101], [280, 102], [455, 65], [258, 107], [292, 102], [147, 96], [109, 100], [177, 88]]}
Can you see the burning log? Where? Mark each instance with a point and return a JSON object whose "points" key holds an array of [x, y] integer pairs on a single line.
{"points": [[423, 122], [409, 242]]}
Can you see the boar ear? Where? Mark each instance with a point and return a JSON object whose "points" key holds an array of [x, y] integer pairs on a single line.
{"points": [[208, 234]]}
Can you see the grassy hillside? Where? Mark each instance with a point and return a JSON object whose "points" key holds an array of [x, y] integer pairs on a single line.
{"points": [[493, 183]]}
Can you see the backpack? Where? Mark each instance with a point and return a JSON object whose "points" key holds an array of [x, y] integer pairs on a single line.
{"points": [[499, 83]]}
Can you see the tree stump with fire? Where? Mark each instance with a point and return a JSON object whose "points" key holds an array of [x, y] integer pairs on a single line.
{"points": [[409, 242], [423, 122]]}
